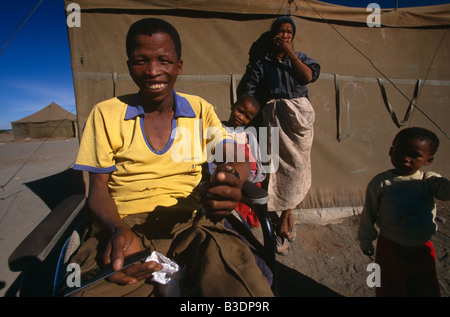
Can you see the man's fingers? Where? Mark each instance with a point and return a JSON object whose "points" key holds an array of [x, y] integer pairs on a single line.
{"points": [[122, 279], [117, 255], [220, 208], [225, 192], [143, 270], [112, 257], [228, 179], [136, 272], [221, 199]]}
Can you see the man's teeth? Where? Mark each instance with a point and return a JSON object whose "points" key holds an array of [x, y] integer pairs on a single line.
{"points": [[155, 86]]}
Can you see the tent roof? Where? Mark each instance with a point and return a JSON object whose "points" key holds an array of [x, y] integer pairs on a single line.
{"points": [[438, 15], [52, 112]]}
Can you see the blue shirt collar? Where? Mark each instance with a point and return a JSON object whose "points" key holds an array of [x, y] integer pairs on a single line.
{"points": [[182, 109]]}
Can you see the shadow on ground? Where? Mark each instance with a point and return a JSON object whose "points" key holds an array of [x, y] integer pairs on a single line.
{"points": [[292, 283], [55, 188]]}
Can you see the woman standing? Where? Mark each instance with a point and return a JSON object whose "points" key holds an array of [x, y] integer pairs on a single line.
{"points": [[278, 80]]}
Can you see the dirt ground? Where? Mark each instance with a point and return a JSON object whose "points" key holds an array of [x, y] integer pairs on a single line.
{"points": [[6, 137], [325, 260]]}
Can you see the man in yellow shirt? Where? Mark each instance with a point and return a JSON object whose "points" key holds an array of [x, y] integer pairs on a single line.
{"points": [[142, 154]]}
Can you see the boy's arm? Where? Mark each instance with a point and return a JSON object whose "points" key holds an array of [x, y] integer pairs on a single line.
{"points": [[439, 186]]}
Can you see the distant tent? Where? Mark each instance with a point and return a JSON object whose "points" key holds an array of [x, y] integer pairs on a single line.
{"points": [[49, 122]]}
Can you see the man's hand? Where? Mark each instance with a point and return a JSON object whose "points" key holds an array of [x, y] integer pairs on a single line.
{"points": [[124, 243], [220, 196]]}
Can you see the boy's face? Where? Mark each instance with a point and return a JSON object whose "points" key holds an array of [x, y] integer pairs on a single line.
{"points": [[242, 113], [409, 156], [154, 66]]}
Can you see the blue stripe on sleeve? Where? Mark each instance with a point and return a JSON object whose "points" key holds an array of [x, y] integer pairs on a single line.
{"points": [[93, 169]]}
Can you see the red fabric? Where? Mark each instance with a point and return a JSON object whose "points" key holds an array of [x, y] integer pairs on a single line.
{"points": [[248, 214], [406, 271]]}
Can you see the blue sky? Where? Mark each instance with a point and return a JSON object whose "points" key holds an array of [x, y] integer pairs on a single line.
{"points": [[35, 65]]}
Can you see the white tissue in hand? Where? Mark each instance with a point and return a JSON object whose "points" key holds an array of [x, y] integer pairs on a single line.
{"points": [[170, 269]]}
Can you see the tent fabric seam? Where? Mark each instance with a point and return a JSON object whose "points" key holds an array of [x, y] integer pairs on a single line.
{"points": [[228, 77]]}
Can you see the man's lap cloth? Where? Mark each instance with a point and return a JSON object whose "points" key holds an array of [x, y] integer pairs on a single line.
{"points": [[215, 261]]}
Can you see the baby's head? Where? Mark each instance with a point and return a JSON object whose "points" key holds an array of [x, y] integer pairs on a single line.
{"points": [[243, 111], [413, 148]]}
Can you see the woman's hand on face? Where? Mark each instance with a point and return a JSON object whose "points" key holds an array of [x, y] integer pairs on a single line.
{"points": [[284, 45]]}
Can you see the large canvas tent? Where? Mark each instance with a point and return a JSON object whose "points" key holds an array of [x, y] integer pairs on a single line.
{"points": [[371, 79], [50, 122]]}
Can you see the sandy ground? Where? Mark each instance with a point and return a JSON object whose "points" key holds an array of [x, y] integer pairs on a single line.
{"points": [[6, 137], [324, 261]]}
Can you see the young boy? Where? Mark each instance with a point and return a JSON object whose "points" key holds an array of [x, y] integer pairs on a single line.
{"points": [[401, 202], [243, 111]]}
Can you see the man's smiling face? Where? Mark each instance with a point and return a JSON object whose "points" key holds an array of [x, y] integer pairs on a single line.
{"points": [[154, 66]]}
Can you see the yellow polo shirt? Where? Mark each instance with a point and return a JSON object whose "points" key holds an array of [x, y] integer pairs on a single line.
{"points": [[143, 179]]}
